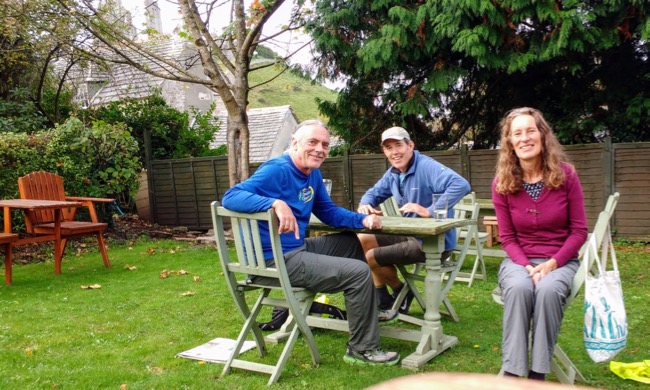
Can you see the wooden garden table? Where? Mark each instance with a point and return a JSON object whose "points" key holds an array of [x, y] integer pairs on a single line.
{"points": [[37, 204], [430, 338]]}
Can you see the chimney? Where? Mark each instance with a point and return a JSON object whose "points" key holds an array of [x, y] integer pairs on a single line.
{"points": [[152, 12]]}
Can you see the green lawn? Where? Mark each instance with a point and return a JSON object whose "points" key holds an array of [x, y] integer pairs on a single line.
{"points": [[54, 334]]}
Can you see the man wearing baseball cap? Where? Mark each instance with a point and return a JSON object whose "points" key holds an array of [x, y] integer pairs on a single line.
{"points": [[412, 179]]}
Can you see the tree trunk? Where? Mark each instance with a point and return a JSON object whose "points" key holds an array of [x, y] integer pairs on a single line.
{"points": [[237, 138]]}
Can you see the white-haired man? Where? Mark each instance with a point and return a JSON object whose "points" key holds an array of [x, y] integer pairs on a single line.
{"points": [[292, 185]]}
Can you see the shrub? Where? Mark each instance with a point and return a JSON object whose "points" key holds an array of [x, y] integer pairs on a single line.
{"points": [[99, 160]]}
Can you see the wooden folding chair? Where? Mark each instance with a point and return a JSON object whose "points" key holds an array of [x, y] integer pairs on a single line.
{"points": [[449, 269], [476, 238], [48, 186], [561, 365], [6, 239], [239, 273]]}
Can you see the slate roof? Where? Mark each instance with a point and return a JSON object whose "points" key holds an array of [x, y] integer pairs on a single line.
{"points": [[120, 81], [270, 131]]}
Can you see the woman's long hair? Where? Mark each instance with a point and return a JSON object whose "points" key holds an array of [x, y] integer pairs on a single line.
{"points": [[509, 175]]}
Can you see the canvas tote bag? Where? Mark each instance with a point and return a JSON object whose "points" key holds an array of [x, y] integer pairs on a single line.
{"points": [[605, 328]]}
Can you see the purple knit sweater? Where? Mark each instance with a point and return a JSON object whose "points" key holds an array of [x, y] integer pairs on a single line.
{"points": [[553, 226]]}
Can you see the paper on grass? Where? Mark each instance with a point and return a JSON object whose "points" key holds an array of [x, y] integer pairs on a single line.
{"points": [[216, 351]]}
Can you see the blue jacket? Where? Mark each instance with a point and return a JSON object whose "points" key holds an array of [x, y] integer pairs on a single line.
{"points": [[424, 177], [279, 178]]}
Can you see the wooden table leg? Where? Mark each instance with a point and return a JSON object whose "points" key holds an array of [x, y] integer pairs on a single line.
{"points": [[8, 278], [7, 217], [432, 341], [58, 252], [7, 225]]}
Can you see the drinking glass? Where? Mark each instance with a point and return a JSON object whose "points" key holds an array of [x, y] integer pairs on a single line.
{"points": [[328, 185], [440, 206]]}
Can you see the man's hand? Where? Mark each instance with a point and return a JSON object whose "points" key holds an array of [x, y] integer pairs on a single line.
{"points": [[372, 221], [538, 273], [287, 220], [423, 212], [368, 209]]}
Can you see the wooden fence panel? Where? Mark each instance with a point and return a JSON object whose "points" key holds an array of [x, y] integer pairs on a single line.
{"points": [[481, 167], [449, 158], [334, 169], [366, 170], [588, 160], [632, 166], [184, 188]]}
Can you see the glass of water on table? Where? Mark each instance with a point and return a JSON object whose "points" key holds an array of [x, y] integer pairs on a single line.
{"points": [[440, 205], [328, 185]]}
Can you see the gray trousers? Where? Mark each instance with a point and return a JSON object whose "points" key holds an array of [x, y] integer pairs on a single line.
{"points": [[532, 310], [334, 263]]}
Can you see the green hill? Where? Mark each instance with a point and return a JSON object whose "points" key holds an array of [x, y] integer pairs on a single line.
{"points": [[287, 89]]}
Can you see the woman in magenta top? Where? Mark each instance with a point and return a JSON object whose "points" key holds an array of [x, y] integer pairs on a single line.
{"points": [[542, 225]]}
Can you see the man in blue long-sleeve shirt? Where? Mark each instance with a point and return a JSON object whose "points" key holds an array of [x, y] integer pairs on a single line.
{"points": [[293, 186], [412, 180]]}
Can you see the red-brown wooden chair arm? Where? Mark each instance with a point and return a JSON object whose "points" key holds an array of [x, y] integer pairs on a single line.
{"points": [[89, 199], [89, 203]]}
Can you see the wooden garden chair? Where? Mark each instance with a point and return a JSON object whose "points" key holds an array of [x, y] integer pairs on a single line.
{"points": [[238, 272], [6, 239], [477, 240], [48, 186]]}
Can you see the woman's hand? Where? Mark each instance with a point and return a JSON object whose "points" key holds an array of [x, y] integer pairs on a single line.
{"points": [[538, 273]]}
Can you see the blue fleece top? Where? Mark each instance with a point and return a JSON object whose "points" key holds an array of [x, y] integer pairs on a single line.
{"points": [[279, 178], [424, 177]]}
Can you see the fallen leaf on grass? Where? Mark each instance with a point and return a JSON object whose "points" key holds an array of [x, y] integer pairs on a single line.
{"points": [[188, 294], [130, 267], [91, 287], [123, 386], [165, 273], [196, 278]]}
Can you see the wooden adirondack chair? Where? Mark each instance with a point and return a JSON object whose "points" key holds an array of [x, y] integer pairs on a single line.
{"points": [[48, 186], [5, 241]]}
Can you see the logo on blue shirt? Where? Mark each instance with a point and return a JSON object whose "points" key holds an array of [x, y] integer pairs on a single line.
{"points": [[306, 194]]}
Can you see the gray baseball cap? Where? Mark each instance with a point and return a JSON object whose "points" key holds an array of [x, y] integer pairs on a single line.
{"points": [[397, 133]]}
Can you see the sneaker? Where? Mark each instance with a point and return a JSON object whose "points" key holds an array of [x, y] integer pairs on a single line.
{"points": [[387, 317], [371, 357]]}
